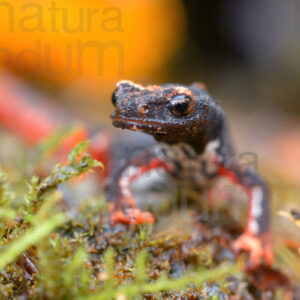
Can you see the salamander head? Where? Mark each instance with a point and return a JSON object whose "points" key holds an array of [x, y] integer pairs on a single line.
{"points": [[171, 113]]}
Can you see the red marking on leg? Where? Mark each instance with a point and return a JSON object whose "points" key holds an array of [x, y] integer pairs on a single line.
{"points": [[232, 177], [229, 174], [258, 245], [140, 217], [155, 163], [259, 248], [119, 217], [131, 202], [133, 215]]}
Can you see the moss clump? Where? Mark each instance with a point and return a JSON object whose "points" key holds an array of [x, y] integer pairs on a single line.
{"points": [[49, 251]]}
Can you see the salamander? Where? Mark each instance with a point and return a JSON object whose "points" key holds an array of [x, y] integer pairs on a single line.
{"points": [[191, 145], [182, 132]]}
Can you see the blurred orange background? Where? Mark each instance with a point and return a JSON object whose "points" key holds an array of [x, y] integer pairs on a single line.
{"points": [[96, 42]]}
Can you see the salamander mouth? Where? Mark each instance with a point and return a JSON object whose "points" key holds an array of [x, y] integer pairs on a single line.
{"points": [[139, 125]]}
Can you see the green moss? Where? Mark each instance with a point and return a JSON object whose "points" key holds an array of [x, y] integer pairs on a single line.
{"points": [[50, 252]]}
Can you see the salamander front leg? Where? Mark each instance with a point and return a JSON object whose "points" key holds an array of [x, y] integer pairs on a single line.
{"points": [[123, 208]]}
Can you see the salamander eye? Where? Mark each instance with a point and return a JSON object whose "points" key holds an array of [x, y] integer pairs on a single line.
{"points": [[180, 105], [114, 98]]}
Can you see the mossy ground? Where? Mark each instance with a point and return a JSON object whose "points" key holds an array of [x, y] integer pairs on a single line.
{"points": [[50, 250]]}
